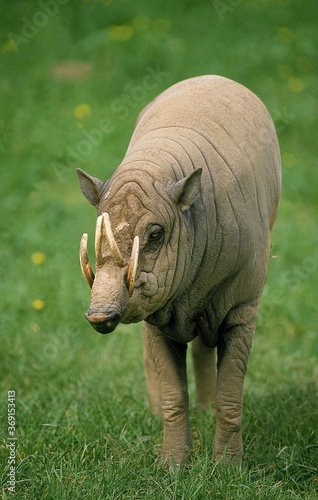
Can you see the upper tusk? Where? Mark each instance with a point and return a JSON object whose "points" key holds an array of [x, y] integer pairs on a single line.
{"points": [[132, 267], [84, 260], [98, 239], [111, 241]]}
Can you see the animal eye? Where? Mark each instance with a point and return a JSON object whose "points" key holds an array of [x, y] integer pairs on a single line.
{"points": [[156, 235]]}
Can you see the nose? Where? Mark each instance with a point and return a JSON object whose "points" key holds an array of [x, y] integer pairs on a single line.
{"points": [[103, 321]]}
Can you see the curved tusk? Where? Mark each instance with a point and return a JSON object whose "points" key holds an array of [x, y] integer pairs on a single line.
{"points": [[111, 241], [98, 239], [84, 260], [132, 267]]}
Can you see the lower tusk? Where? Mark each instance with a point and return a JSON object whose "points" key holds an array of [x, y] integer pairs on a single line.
{"points": [[111, 241], [84, 260], [132, 267]]}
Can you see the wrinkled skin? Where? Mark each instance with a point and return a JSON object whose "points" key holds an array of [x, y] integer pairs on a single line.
{"points": [[199, 185]]}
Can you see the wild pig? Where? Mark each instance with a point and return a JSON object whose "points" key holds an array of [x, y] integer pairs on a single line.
{"points": [[182, 243]]}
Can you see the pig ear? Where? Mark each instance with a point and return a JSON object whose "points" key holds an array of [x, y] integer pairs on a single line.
{"points": [[185, 191], [90, 186]]}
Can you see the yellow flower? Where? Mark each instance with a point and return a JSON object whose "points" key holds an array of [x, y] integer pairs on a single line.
{"points": [[38, 304], [295, 84], [81, 111], [38, 258], [121, 33]]}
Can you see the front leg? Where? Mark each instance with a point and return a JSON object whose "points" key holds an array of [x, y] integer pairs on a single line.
{"points": [[233, 352], [169, 359], [151, 373]]}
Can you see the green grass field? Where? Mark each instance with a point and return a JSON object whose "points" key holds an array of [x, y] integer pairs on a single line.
{"points": [[74, 75]]}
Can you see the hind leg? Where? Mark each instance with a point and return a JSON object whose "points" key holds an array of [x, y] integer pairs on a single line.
{"points": [[204, 363]]}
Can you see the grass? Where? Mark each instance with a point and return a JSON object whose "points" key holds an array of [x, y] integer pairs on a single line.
{"points": [[83, 426]]}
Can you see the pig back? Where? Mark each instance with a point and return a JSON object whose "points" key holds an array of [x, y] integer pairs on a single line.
{"points": [[231, 131]]}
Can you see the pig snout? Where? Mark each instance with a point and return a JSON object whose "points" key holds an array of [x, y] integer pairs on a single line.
{"points": [[103, 321]]}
